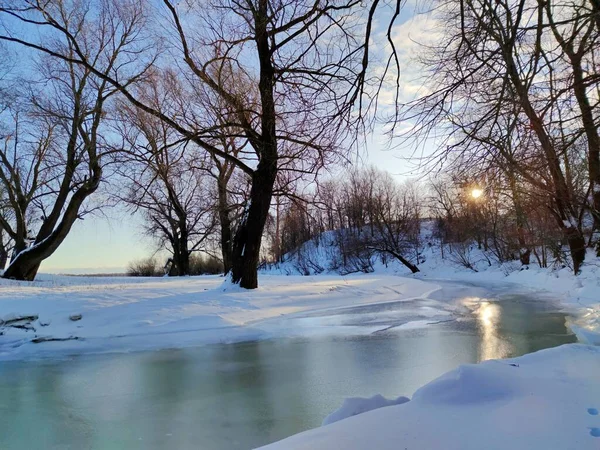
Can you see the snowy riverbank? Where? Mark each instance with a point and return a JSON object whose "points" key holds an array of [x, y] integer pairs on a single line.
{"points": [[125, 314], [543, 400], [129, 314], [578, 295]]}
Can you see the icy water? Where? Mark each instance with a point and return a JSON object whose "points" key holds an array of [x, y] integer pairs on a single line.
{"points": [[239, 396]]}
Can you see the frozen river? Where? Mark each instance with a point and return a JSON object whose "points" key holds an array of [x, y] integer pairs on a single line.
{"points": [[243, 395]]}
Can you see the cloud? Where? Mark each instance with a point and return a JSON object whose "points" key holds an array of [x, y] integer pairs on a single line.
{"points": [[410, 38]]}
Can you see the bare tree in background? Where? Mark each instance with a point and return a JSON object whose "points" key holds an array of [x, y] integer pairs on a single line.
{"points": [[506, 99], [175, 199], [396, 220]]}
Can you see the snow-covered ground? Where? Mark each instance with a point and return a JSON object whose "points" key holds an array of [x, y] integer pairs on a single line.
{"points": [[544, 400], [124, 314]]}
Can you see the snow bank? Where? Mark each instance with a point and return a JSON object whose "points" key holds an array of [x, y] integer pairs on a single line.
{"points": [[127, 314], [545, 400], [358, 405]]}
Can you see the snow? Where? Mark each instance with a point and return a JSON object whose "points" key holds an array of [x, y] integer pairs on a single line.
{"points": [[544, 400], [579, 295], [357, 405], [128, 314]]}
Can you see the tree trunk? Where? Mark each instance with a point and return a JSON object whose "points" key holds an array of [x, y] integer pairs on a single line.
{"points": [[577, 246], [587, 111], [246, 245], [247, 241], [562, 198], [524, 250], [407, 263], [593, 141], [26, 264], [184, 253], [3, 258], [225, 221], [183, 263]]}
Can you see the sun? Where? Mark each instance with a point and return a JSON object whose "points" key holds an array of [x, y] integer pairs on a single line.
{"points": [[476, 193]]}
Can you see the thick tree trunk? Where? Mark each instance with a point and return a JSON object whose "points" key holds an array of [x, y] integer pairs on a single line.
{"points": [[183, 263], [3, 257], [26, 264], [247, 241], [576, 242], [180, 262], [225, 220], [246, 245]]}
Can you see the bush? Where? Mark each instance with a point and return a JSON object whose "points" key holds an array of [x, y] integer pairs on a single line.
{"points": [[144, 268], [205, 265]]}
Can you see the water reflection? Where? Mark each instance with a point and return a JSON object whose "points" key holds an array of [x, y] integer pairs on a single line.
{"points": [[245, 395], [492, 345]]}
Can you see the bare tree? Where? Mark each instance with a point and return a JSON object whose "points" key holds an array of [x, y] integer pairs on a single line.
{"points": [[305, 62], [502, 96], [49, 178], [397, 220], [161, 182]]}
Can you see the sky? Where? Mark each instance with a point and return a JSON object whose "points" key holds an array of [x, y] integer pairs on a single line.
{"points": [[107, 243], [100, 244]]}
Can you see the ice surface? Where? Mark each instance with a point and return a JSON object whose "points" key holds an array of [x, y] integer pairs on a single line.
{"points": [[125, 314]]}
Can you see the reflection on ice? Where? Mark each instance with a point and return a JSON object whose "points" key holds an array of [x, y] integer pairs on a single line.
{"points": [[490, 325], [492, 346], [487, 313]]}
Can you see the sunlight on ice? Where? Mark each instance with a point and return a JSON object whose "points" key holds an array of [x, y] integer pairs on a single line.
{"points": [[489, 316]]}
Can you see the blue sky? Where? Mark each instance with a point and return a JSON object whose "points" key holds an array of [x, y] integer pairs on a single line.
{"points": [[100, 244]]}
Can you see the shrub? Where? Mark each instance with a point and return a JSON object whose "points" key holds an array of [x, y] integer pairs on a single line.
{"points": [[205, 265], [147, 267]]}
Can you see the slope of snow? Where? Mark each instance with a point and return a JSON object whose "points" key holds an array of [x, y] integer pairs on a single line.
{"points": [[545, 400]]}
